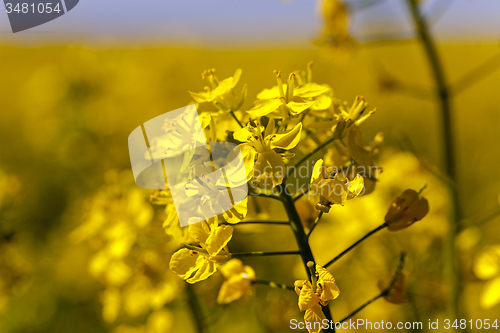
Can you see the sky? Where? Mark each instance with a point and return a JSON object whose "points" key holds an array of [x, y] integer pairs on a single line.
{"points": [[250, 22]]}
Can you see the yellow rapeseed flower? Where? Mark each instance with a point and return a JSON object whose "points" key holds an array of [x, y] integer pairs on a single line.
{"points": [[332, 188], [269, 169], [238, 281], [195, 264]]}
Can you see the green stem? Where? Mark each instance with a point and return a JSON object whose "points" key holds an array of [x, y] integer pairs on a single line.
{"points": [[234, 116], [449, 150], [302, 241], [262, 254], [298, 196], [315, 224], [305, 158], [273, 284], [355, 244], [195, 307]]}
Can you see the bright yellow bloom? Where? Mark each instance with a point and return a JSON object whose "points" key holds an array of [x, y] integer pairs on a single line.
{"points": [[195, 264], [221, 93], [238, 281], [333, 189], [405, 210], [311, 297], [285, 100], [487, 267], [269, 169]]}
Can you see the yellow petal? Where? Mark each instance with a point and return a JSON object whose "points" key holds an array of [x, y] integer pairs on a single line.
{"points": [[249, 153], [183, 262], [199, 232], [218, 239], [202, 97], [317, 171], [355, 147], [287, 140], [329, 289], [310, 90], [323, 102], [233, 288], [238, 212], [173, 228], [269, 169], [299, 107], [242, 135], [307, 299], [356, 186], [236, 77], [270, 93], [264, 107], [205, 268], [334, 190], [314, 318], [232, 267]]}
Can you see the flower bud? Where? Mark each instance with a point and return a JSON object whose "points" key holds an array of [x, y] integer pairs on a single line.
{"points": [[406, 210]]}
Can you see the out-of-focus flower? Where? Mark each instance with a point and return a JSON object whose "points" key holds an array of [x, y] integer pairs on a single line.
{"points": [[487, 267], [332, 188], [269, 169], [312, 296], [195, 264], [238, 281], [335, 34], [405, 210]]}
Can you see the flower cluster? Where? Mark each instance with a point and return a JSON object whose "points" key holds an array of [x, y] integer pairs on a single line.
{"points": [[287, 124]]}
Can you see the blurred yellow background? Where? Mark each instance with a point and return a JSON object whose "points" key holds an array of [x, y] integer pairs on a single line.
{"points": [[66, 113]]}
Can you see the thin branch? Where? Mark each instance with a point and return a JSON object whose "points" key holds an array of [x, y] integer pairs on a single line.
{"points": [[266, 195], [443, 93], [305, 158], [298, 196], [263, 254], [315, 224], [234, 116], [273, 284], [383, 226], [481, 71], [384, 292], [196, 309]]}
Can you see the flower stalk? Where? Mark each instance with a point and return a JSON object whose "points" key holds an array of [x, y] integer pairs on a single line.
{"points": [[443, 94]]}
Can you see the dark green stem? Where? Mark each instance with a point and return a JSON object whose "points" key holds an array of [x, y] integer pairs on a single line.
{"points": [[302, 241], [262, 254], [305, 158], [314, 224], [273, 284], [383, 226], [449, 152], [234, 116], [195, 307]]}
